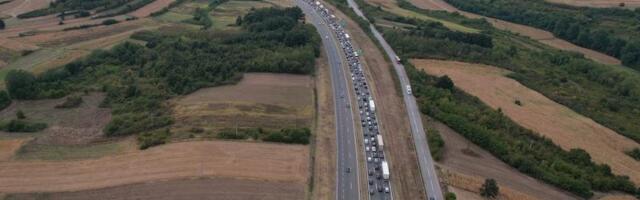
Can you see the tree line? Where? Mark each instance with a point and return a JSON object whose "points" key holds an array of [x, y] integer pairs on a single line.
{"points": [[139, 78], [58, 6], [607, 30]]}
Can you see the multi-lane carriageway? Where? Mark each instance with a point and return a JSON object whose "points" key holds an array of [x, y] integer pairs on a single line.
{"points": [[337, 40]]}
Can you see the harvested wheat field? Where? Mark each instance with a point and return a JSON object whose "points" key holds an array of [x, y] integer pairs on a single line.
{"points": [[243, 160], [563, 126], [200, 188], [460, 156], [472, 184], [599, 3], [264, 100], [155, 6], [539, 35]]}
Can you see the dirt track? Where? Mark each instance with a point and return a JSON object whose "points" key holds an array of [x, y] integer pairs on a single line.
{"points": [[260, 161], [202, 188], [563, 126], [539, 35]]}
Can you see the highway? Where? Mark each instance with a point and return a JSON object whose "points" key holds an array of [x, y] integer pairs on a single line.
{"points": [[347, 183], [427, 168], [377, 170]]}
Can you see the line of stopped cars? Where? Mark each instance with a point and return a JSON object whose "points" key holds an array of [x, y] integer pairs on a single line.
{"points": [[377, 166]]}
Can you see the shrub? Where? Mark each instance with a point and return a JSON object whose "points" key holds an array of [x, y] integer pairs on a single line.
{"points": [[445, 82], [436, 144], [21, 84], [153, 138], [635, 154], [489, 188], [110, 22], [20, 115], [450, 196], [5, 100], [18, 125], [291, 136]]}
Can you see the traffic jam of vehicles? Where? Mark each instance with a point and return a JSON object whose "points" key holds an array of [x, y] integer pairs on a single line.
{"points": [[377, 166]]}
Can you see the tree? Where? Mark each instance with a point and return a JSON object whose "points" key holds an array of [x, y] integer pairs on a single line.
{"points": [[20, 115], [1, 24], [445, 82], [630, 54], [239, 21], [450, 196], [5, 100], [600, 40], [489, 188], [584, 38], [572, 32], [21, 84]]}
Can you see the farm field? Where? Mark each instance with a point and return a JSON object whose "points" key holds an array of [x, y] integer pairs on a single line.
{"points": [[599, 3], [392, 6], [197, 188], [539, 35], [402, 158], [563, 126], [259, 100], [259, 161], [459, 153]]}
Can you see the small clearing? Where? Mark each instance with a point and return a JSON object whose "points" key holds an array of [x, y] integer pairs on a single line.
{"points": [[200, 188], [539, 35], [563, 126], [265, 100], [242, 160], [599, 3]]}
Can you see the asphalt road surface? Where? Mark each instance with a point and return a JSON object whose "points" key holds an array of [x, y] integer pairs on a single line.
{"points": [[347, 186], [427, 169]]}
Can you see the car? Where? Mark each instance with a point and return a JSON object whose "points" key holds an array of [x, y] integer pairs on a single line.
{"points": [[379, 176], [348, 169], [369, 159], [370, 172], [370, 182], [386, 189], [380, 188], [366, 149], [371, 192], [376, 160], [373, 148]]}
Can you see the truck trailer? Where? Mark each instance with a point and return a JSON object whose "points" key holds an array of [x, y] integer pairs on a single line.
{"points": [[385, 170]]}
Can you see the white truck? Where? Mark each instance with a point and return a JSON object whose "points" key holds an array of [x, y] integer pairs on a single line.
{"points": [[409, 89], [380, 143], [372, 106], [385, 170], [398, 59]]}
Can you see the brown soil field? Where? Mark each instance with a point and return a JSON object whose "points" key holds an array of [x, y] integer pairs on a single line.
{"points": [[599, 3], [618, 197], [201, 188], [9, 147], [242, 160], [80, 125], [539, 35], [259, 100], [563, 126], [407, 182], [460, 156], [17, 7], [16, 45], [324, 145], [150, 8]]}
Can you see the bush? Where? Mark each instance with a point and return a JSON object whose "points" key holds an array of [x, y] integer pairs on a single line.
{"points": [[291, 136], [635, 154], [110, 22], [70, 102], [153, 138], [436, 144], [18, 125], [232, 135], [20, 115], [5, 100], [21, 84], [450, 196], [489, 188]]}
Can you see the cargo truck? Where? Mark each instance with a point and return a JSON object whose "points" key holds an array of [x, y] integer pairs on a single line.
{"points": [[385, 170], [380, 143]]}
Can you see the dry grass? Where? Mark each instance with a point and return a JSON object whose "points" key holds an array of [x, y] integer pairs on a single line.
{"points": [[260, 100], [472, 184], [150, 8], [539, 35], [462, 157], [258, 161], [563, 126], [17, 7], [324, 145], [9, 147], [395, 127], [599, 3]]}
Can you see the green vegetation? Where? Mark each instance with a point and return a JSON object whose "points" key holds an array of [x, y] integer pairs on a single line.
{"points": [[124, 9], [287, 135], [153, 138], [74, 5], [70, 102], [166, 9], [5, 99], [519, 147], [138, 79], [635, 153], [608, 30], [2, 25], [33, 151], [23, 126], [603, 93], [489, 189], [436, 144], [109, 22], [450, 196], [201, 17]]}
